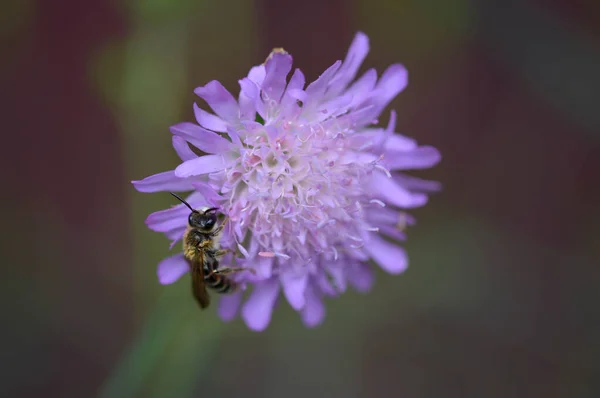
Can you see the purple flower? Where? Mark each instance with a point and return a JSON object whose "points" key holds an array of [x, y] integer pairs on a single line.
{"points": [[313, 188]]}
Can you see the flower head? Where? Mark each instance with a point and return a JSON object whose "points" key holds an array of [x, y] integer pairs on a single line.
{"points": [[312, 187]]}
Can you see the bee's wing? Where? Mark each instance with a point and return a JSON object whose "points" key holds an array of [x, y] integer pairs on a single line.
{"points": [[198, 286]]}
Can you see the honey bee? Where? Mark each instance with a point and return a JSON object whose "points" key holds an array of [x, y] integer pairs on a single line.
{"points": [[202, 252]]}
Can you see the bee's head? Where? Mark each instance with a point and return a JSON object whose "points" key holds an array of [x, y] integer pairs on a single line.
{"points": [[204, 219]]}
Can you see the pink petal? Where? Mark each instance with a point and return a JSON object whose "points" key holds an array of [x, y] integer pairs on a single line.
{"points": [[361, 88], [165, 181], [419, 158], [388, 256], [296, 82], [171, 269], [316, 89], [392, 232], [264, 267], [235, 137], [313, 312], [250, 100], [229, 305], [391, 127], [362, 278], [293, 92], [169, 219], [398, 142], [212, 197], [391, 83], [395, 194], [326, 286], [356, 55], [417, 184], [257, 310], [257, 74], [175, 236], [202, 165], [220, 100], [277, 67], [208, 120], [182, 148], [293, 288], [389, 216], [338, 274], [333, 107], [205, 140], [173, 221]]}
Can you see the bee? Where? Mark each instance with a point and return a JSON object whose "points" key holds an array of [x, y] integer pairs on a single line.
{"points": [[202, 252]]}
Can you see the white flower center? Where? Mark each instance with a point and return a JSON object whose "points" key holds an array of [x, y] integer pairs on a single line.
{"points": [[301, 191]]}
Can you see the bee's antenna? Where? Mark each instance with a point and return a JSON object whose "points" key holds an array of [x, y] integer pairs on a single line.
{"points": [[182, 201], [211, 209]]}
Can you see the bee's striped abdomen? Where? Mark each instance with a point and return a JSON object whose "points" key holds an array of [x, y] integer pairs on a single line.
{"points": [[216, 282]]}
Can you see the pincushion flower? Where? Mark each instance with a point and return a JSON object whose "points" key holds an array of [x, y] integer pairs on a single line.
{"points": [[313, 188]]}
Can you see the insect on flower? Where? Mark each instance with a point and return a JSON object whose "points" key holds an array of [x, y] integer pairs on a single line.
{"points": [[201, 250], [313, 189]]}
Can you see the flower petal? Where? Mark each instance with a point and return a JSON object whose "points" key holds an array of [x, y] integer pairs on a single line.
{"points": [[169, 219], [389, 216], [316, 89], [361, 89], [257, 310], [395, 194], [391, 258], [208, 120], [172, 268], [202, 165], [356, 55], [398, 142], [250, 100], [391, 83], [182, 148], [174, 218], [165, 181], [220, 100], [332, 108], [229, 305], [339, 277], [313, 312], [205, 140], [392, 232], [326, 283], [264, 267], [294, 286], [391, 127], [419, 158], [235, 137], [212, 197], [175, 236], [361, 278], [278, 66], [257, 74], [417, 184], [293, 92]]}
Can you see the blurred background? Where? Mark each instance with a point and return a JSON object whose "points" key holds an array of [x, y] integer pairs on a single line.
{"points": [[501, 295]]}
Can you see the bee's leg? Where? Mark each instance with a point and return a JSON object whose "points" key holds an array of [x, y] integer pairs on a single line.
{"points": [[216, 231], [222, 252], [228, 270]]}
